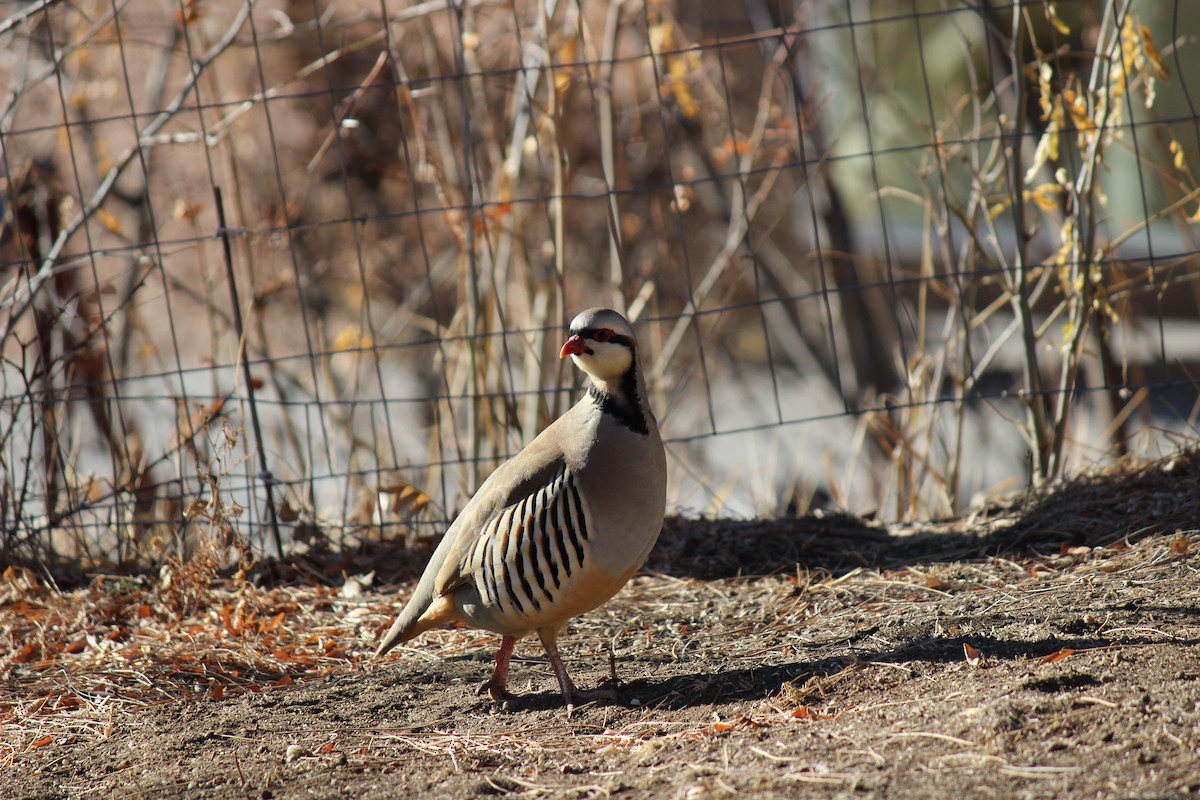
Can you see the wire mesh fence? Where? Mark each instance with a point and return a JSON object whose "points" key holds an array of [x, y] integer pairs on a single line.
{"points": [[298, 271]]}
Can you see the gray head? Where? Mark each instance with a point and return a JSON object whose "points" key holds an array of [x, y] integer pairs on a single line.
{"points": [[602, 344]]}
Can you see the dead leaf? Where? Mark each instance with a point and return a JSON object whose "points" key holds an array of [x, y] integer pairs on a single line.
{"points": [[271, 626], [183, 210], [804, 712], [1150, 50], [402, 498], [110, 222], [26, 610], [972, 655], [288, 512], [1056, 21], [498, 210], [352, 338], [1045, 196], [25, 580], [26, 654], [1057, 655], [1180, 160]]}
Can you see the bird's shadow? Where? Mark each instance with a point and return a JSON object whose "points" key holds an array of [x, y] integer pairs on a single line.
{"points": [[761, 683]]}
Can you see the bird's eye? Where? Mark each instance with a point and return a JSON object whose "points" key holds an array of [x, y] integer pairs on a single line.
{"points": [[602, 335]]}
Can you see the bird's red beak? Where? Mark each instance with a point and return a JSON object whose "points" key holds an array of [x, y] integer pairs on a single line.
{"points": [[573, 347]]}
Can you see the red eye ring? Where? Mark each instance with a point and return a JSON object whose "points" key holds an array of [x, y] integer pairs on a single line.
{"points": [[602, 335]]}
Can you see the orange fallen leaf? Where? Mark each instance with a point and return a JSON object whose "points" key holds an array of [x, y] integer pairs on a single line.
{"points": [[26, 654], [22, 608], [804, 712], [1180, 546], [22, 578], [42, 742], [1058, 655], [270, 626]]}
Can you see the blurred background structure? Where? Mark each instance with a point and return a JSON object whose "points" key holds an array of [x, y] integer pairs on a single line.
{"points": [[298, 270]]}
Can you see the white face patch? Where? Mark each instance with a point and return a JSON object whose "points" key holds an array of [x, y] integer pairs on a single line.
{"points": [[607, 361]]}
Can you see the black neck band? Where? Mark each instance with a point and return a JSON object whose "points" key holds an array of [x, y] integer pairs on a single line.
{"points": [[626, 409]]}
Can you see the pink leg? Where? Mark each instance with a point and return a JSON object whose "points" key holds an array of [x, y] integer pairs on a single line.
{"points": [[571, 693], [497, 685]]}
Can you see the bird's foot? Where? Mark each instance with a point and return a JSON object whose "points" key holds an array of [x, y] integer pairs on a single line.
{"points": [[500, 695], [601, 694]]}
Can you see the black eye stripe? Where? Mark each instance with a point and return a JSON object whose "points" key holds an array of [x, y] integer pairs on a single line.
{"points": [[615, 338]]}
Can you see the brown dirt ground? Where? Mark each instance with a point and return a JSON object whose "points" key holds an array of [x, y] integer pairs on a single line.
{"points": [[1046, 650]]}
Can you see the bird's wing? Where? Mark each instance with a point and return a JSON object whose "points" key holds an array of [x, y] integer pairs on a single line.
{"points": [[522, 476], [515, 480]]}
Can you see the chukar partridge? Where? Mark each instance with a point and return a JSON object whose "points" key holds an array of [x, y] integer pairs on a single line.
{"points": [[557, 530]]}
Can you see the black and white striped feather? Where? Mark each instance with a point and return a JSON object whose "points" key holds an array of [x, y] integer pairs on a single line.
{"points": [[528, 554]]}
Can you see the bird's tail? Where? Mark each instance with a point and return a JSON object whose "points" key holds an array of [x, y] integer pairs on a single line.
{"points": [[407, 623], [427, 608], [418, 616], [396, 633]]}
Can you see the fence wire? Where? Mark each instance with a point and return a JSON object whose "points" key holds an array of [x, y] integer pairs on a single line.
{"points": [[296, 272]]}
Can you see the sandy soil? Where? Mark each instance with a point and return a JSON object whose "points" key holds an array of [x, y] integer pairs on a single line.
{"points": [[1046, 650]]}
